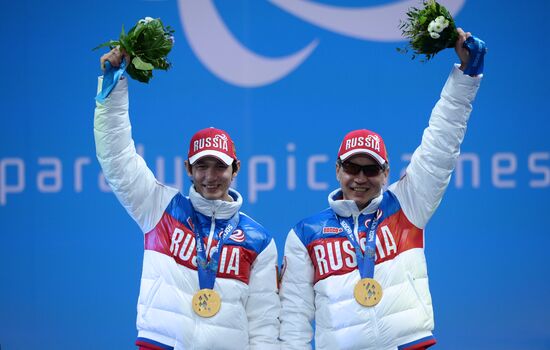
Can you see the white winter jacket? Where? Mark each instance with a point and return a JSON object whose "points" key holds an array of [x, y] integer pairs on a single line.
{"points": [[246, 278], [320, 266]]}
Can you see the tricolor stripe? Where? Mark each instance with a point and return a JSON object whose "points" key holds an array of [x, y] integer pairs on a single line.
{"points": [[172, 238], [335, 255], [419, 344], [149, 344]]}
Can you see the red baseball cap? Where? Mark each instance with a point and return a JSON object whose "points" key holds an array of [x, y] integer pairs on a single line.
{"points": [[212, 142], [366, 142]]}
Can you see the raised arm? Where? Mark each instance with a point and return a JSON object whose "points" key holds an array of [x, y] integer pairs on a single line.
{"points": [[421, 189], [126, 172]]}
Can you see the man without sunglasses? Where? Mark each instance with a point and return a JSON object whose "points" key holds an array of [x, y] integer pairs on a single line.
{"points": [[358, 268], [209, 278]]}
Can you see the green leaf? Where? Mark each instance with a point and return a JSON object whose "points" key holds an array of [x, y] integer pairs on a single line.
{"points": [[110, 43], [153, 42], [148, 44], [415, 28], [140, 75], [141, 65]]}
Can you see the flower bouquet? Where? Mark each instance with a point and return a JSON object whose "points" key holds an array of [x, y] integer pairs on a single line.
{"points": [[429, 30], [147, 43]]}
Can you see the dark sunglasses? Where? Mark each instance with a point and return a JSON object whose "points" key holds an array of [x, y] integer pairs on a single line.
{"points": [[370, 170]]}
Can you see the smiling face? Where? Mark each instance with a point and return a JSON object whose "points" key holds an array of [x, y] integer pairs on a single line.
{"points": [[361, 188], [212, 177]]}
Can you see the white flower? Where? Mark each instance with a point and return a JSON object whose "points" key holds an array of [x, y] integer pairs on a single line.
{"points": [[434, 35], [146, 20], [440, 19], [437, 27]]}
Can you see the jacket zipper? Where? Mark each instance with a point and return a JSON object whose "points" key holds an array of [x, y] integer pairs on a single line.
{"points": [[211, 234]]}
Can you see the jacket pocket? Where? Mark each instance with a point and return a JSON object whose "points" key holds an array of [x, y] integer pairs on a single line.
{"points": [[418, 297], [151, 295]]}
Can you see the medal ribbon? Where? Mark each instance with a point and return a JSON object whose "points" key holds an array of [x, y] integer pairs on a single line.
{"points": [[110, 79], [208, 268], [477, 49], [365, 261]]}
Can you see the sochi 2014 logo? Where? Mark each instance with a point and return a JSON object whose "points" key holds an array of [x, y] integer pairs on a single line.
{"points": [[238, 236], [221, 53]]}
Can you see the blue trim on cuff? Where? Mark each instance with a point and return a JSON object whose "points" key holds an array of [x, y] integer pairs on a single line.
{"points": [[422, 340], [155, 343]]}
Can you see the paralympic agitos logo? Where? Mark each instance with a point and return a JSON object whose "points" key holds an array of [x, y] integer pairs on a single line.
{"points": [[221, 53]]}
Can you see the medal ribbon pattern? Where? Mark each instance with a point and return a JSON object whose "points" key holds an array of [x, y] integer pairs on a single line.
{"points": [[366, 260], [208, 268]]}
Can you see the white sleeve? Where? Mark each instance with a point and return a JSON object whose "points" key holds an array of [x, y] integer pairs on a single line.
{"points": [[427, 176], [297, 296], [126, 172], [263, 304]]}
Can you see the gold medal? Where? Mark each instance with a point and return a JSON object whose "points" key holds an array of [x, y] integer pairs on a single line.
{"points": [[206, 302], [367, 292]]}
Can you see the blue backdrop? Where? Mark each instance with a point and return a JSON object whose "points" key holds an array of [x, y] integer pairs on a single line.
{"points": [[287, 79]]}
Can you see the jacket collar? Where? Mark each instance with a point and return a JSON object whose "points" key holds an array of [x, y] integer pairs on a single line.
{"points": [[217, 208], [346, 208]]}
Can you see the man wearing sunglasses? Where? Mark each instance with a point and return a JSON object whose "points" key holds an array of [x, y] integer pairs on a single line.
{"points": [[358, 268]]}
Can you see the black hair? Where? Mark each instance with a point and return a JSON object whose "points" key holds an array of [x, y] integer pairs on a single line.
{"points": [[234, 166]]}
